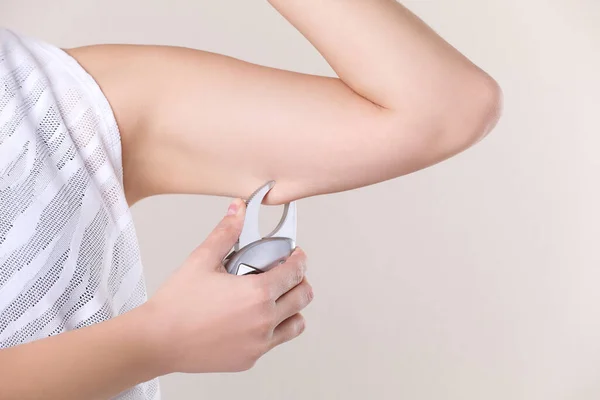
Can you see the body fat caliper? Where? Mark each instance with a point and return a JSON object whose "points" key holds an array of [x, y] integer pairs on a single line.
{"points": [[254, 254]]}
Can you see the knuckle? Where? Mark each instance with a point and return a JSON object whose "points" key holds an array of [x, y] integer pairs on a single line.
{"points": [[310, 294], [300, 255], [254, 353], [304, 296], [298, 274], [268, 320], [247, 365], [265, 320], [300, 326], [299, 252], [260, 292], [261, 350], [240, 367]]}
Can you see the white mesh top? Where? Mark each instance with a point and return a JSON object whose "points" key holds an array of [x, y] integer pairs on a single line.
{"points": [[69, 255]]}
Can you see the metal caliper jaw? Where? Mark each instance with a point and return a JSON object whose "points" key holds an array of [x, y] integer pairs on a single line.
{"points": [[253, 253]]}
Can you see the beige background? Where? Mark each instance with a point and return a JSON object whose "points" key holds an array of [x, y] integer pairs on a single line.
{"points": [[475, 279]]}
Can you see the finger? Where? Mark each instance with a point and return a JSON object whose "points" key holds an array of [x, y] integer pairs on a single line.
{"points": [[293, 301], [286, 276], [289, 329], [220, 241]]}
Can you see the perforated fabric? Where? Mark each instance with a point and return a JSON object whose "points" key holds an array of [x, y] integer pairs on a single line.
{"points": [[69, 255]]}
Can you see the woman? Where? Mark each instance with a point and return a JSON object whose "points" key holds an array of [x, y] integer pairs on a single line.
{"points": [[89, 131]]}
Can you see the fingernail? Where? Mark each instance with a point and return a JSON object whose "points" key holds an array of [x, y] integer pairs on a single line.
{"points": [[234, 207]]}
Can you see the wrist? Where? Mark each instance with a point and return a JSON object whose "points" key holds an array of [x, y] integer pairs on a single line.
{"points": [[152, 340], [140, 332]]}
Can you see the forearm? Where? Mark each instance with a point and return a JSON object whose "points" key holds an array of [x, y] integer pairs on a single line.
{"points": [[95, 362], [383, 51]]}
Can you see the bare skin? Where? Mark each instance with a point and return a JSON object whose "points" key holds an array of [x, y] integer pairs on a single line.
{"points": [[192, 324], [404, 100]]}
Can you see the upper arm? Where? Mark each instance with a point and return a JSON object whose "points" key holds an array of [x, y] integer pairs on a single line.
{"points": [[197, 122]]}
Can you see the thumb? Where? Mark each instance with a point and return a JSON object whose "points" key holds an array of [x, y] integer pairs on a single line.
{"points": [[221, 240]]}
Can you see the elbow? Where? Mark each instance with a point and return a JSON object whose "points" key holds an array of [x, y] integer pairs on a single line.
{"points": [[471, 114], [462, 115], [487, 108]]}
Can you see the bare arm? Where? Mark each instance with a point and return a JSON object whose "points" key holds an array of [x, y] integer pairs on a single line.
{"points": [[201, 320], [91, 363], [197, 122]]}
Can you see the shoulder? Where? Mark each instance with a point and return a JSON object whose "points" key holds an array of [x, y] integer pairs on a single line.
{"points": [[55, 114]]}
